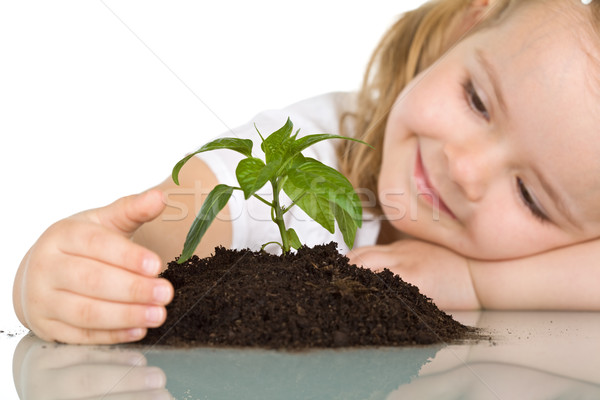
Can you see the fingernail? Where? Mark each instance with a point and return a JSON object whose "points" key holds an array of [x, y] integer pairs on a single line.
{"points": [[151, 266], [155, 379], [136, 333], [154, 315], [137, 360], [161, 294]]}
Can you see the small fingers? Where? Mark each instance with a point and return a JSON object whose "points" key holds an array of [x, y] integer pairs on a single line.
{"points": [[92, 379], [88, 313], [57, 331], [81, 238], [373, 257], [128, 213], [389, 256], [91, 278], [59, 357]]}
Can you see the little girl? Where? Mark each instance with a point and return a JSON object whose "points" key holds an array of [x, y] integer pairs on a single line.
{"points": [[483, 115]]}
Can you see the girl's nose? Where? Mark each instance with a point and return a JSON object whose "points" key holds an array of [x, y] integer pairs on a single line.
{"points": [[471, 166]]}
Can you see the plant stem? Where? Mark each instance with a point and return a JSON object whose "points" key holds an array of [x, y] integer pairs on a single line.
{"points": [[268, 243], [294, 201], [262, 200], [285, 242]]}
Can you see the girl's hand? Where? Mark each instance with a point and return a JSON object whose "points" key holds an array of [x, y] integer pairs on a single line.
{"points": [[439, 273], [85, 281]]}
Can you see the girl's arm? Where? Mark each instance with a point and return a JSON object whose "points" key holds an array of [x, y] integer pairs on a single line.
{"points": [[562, 279], [165, 235], [86, 281]]}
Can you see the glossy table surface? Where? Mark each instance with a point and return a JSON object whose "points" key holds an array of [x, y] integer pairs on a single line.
{"points": [[531, 355]]}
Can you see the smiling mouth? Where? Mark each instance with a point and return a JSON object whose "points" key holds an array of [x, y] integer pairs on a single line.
{"points": [[426, 190]]}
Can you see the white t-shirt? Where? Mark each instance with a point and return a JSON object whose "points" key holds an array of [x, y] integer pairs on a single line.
{"points": [[251, 219]]}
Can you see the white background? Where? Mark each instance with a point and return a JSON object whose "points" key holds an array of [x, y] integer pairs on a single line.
{"points": [[99, 99]]}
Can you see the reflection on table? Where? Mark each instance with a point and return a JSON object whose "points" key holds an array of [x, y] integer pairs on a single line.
{"points": [[531, 355], [49, 371], [43, 370]]}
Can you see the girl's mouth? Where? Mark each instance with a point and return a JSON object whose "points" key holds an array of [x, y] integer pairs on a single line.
{"points": [[426, 190]]}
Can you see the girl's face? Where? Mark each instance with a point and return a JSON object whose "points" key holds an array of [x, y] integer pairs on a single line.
{"points": [[494, 151]]}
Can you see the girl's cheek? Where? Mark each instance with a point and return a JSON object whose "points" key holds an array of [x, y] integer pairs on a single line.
{"points": [[406, 118], [402, 121]]}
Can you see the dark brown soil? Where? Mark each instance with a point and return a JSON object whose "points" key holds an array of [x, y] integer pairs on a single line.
{"points": [[313, 298]]}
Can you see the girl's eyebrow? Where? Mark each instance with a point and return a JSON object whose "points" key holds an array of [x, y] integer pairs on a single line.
{"points": [[492, 75]]}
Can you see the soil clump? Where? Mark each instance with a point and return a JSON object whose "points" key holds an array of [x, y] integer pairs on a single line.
{"points": [[309, 299]]}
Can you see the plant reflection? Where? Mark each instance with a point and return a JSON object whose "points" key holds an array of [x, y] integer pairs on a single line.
{"points": [[317, 374]]}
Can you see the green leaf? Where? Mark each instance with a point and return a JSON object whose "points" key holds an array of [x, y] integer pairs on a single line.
{"points": [[278, 144], [293, 238], [326, 196], [350, 203], [309, 140], [243, 146], [315, 205], [252, 174], [317, 178], [347, 225], [214, 203]]}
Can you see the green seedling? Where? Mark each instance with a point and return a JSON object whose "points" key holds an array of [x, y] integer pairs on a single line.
{"points": [[320, 191]]}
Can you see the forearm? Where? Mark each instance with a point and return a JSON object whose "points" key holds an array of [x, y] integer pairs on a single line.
{"points": [[562, 279]]}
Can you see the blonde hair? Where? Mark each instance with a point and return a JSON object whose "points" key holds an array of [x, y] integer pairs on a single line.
{"points": [[413, 43]]}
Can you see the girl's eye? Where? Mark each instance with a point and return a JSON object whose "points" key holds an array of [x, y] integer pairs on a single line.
{"points": [[530, 202], [475, 101]]}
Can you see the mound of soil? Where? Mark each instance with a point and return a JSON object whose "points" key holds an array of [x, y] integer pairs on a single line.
{"points": [[312, 298]]}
